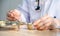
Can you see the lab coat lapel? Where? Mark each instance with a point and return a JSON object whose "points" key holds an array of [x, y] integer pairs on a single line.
{"points": [[47, 5]]}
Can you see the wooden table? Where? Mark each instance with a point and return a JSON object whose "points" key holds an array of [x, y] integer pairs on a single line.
{"points": [[24, 32]]}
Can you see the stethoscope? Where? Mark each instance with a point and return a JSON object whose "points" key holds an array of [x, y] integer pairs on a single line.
{"points": [[38, 7]]}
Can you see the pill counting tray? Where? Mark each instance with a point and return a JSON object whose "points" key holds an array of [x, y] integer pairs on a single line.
{"points": [[8, 25]]}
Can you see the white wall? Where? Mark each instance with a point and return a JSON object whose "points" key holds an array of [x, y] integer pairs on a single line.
{"points": [[6, 5]]}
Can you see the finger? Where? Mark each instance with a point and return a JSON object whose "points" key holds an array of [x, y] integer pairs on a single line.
{"points": [[10, 11], [41, 28], [9, 18], [8, 15], [38, 25], [51, 27], [40, 20], [17, 18], [16, 12], [48, 24], [44, 18], [44, 23], [37, 22], [45, 26], [48, 20]]}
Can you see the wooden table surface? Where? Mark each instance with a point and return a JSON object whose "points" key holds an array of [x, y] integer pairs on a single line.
{"points": [[25, 32]]}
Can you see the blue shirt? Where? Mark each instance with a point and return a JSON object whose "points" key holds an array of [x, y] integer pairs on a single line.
{"points": [[29, 14]]}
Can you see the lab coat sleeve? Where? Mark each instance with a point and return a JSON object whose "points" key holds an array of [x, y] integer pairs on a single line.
{"points": [[24, 11], [55, 11]]}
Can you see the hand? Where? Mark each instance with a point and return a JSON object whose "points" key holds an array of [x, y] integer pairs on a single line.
{"points": [[13, 15], [43, 23]]}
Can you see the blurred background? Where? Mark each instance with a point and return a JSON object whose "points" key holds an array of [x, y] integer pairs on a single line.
{"points": [[6, 5]]}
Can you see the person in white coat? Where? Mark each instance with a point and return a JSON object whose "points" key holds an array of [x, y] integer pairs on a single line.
{"points": [[42, 13]]}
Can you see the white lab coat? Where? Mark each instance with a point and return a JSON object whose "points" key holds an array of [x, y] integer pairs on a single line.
{"points": [[29, 14]]}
